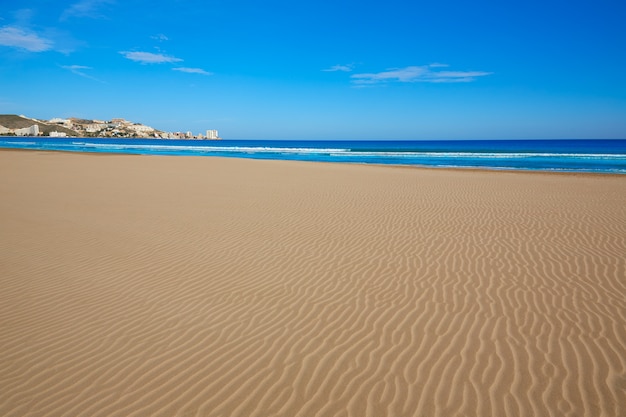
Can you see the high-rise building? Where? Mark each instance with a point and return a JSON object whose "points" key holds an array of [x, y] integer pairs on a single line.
{"points": [[212, 134]]}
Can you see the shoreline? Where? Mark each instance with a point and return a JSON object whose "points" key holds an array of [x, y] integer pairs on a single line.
{"points": [[195, 286], [576, 156], [418, 167]]}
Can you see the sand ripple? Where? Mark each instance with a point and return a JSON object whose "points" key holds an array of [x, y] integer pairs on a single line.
{"points": [[164, 286]]}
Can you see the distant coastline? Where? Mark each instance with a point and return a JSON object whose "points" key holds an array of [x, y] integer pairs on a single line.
{"points": [[20, 125]]}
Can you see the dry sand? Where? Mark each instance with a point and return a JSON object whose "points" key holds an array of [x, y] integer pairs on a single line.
{"points": [[182, 286]]}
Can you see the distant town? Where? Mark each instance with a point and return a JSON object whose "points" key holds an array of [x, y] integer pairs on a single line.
{"points": [[14, 125]]}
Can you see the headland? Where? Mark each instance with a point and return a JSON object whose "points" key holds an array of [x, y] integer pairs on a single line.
{"points": [[14, 125]]}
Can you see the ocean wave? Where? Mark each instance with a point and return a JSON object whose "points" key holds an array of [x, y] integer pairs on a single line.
{"points": [[345, 152], [242, 149], [590, 160], [333, 152], [490, 155], [22, 143]]}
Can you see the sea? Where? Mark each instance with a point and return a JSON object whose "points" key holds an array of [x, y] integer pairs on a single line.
{"points": [[590, 156]]}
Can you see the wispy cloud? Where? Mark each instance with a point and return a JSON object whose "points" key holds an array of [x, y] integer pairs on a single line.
{"points": [[76, 69], [457, 76], [149, 57], [425, 73], [86, 8], [160, 37], [80, 70], [438, 65], [23, 39], [344, 68], [193, 70]]}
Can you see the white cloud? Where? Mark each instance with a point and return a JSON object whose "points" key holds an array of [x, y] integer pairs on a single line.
{"points": [[400, 74], [86, 8], [344, 68], [193, 70], [160, 37], [149, 57], [75, 67], [424, 73], [22, 39], [79, 70], [457, 76]]}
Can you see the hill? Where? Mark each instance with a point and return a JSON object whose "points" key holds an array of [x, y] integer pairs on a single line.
{"points": [[75, 127]]}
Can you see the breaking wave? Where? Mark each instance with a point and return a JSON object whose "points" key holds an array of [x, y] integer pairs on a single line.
{"points": [[574, 156]]}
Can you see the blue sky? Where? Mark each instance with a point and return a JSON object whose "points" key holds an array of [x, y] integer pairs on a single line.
{"points": [[336, 69]]}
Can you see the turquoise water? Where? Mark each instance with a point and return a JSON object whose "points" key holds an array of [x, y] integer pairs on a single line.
{"points": [[602, 156]]}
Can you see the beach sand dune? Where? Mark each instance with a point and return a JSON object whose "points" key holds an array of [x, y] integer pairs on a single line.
{"points": [[184, 286]]}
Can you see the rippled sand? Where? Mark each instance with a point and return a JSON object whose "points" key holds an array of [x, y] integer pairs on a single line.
{"points": [[181, 286]]}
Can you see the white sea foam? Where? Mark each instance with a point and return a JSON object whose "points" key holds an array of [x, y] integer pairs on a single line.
{"points": [[20, 143], [545, 161], [490, 155], [244, 149], [345, 152]]}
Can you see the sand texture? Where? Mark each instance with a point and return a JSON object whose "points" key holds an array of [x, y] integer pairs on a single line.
{"points": [[184, 286]]}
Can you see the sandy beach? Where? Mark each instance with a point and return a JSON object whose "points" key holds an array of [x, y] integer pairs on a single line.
{"points": [[190, 286]]}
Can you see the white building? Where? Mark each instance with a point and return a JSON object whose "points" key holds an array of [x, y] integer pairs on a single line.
{"points": [[212, 134], [59, 121], [141, 129], [55, 134], [27, 131], [95, 127]]}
